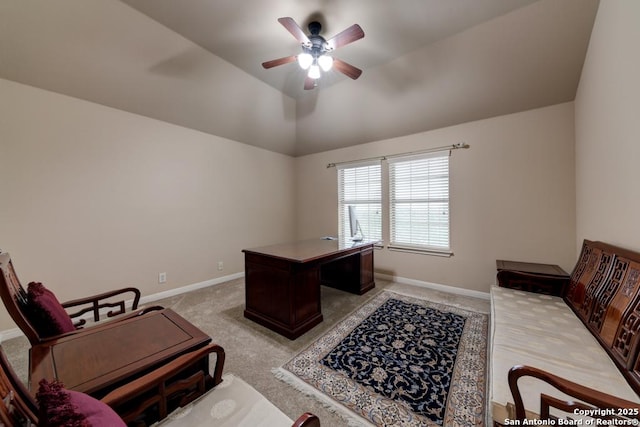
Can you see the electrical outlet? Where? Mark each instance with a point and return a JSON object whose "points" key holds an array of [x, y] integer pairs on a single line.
{"points": [[220, 265], [162, 277]]}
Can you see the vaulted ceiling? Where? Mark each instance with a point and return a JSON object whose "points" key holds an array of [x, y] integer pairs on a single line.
{"points": [[249, 35], [426, 63]]}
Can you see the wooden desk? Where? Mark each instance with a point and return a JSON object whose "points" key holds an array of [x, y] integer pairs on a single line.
{"points": [[98, 360], [283, 281]]}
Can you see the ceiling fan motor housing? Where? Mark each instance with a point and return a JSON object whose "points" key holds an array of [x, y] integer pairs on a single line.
{"points": [[314, 28], [318, 43]]}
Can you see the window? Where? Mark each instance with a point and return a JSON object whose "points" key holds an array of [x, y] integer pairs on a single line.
{"points": [[416, 197], [360, 185], [419, 202]]}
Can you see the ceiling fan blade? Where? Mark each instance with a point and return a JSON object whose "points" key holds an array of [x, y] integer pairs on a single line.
{"points": [[295, 30], [346, 68], [279, 61], [309, 83], [349, 35]]}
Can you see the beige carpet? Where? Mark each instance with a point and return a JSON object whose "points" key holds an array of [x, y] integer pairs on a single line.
{"points": [[252, 351]]}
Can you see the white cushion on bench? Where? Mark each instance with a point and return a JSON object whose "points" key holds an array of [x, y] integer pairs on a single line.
{"points": [[543, 332], [232, 403]]}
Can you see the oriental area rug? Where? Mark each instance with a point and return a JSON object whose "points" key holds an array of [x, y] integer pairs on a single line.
{"points": [[399, 361]]}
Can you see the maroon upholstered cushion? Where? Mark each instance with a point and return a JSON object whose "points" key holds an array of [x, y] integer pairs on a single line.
{"points": [[45, 311], [60, 407]]}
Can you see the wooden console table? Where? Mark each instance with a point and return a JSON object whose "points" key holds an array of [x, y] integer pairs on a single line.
{"points": [[283, 281], [546, 279], [101, 359]]}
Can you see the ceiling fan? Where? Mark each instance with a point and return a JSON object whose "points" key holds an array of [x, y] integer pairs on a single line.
{"points": [[316, 51]]}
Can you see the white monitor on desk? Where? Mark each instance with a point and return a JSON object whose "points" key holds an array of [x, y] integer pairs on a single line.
{"points": [[354, 225]]}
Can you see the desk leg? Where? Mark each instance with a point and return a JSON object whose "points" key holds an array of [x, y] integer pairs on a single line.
{"points": [[366, 271]]}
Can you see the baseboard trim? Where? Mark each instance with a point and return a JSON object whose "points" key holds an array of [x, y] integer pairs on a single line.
{"points": [[435, 286], [16, 332], [10, 333], [188, 288]]}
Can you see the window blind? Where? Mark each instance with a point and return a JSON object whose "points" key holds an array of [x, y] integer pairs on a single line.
{"points": [[419, 202], [360, 185]]}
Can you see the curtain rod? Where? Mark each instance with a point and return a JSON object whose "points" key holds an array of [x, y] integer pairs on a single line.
{"points": [[389, 156]]}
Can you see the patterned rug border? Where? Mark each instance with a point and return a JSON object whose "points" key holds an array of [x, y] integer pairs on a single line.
{"points": [[473, 345]]}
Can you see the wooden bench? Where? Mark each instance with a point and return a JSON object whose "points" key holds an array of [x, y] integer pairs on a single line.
{"points": [[583, 346]]}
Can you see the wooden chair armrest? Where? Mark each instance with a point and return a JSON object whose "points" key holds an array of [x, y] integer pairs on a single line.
{"points": [[156, 377], [105, 324], [598, 399], [145, 310], [96, 302], [307, 420]]}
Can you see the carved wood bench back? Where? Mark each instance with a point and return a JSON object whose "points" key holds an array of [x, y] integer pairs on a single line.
{"points": [[604, 292]]}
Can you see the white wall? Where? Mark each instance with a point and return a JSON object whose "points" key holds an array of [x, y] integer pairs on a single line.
{"points": [[512, 196], [608, 129], [93, 198]]}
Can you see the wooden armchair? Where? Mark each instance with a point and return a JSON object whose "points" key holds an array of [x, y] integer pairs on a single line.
{"points": [[16, 301], [132, 404], [19, 408], [583, 403]]}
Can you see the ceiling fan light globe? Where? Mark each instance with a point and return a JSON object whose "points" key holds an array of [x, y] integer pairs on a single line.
{"points": [[314, 72], [305, 60], [325, 62]]}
